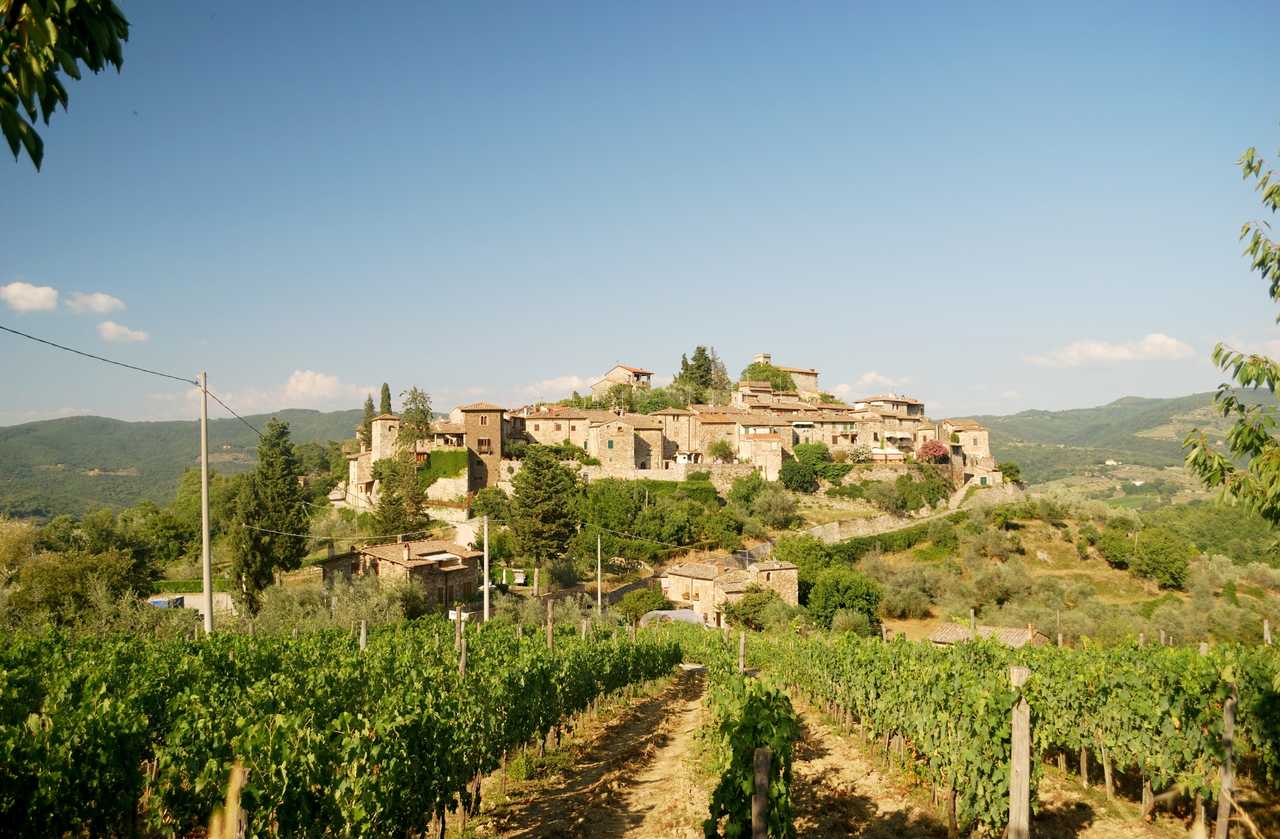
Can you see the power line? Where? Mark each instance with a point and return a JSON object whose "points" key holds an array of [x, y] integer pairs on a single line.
{"points": [[231, 411], [332, 538], [99, 357]]}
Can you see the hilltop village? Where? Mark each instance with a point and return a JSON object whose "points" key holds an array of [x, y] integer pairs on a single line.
{"points": [[755, 429]]}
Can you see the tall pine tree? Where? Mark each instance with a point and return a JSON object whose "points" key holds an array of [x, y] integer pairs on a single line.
{"points": [[384, 406], [544, 506], [271, 520]]}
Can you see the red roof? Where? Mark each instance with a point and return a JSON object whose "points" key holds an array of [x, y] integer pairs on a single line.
{"points": [[481, 406], [639, 371]]}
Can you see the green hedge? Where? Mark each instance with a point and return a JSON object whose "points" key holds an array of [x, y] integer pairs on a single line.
{"points": [[442, 464]]}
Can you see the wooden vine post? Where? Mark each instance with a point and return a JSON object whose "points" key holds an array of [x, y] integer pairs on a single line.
{"points": [[1020, 761], [551, 642], [457, 626], [1266, 632], [1223, 825], [742, 652], [760, 798], [364, 634], [462, 658]]}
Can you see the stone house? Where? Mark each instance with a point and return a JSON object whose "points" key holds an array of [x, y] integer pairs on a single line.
{"points": [[621, 374], [969, 447], [806, 378], [706, 587], [448, 572], [627, 441], [551, 426], [677, 434]]}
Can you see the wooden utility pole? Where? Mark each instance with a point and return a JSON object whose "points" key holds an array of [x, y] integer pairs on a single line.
{"points": [[1020, 762], [1223, 824], [599, 578], [206, 561], [760, 798], [486, 569]]}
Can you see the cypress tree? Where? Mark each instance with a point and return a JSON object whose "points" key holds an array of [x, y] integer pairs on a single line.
{"points": [[385, 401], [270, 499], [366, 425], [544, 505]]}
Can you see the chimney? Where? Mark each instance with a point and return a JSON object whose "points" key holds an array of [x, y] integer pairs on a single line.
{"points": [[406, 552]]}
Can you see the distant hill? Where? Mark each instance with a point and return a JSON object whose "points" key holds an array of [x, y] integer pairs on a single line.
{"points": [[76, 464], [1148, 432]]}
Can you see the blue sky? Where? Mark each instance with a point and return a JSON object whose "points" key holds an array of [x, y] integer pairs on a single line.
{"points": [[987, 206]]}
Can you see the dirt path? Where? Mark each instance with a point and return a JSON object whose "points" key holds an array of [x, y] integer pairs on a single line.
{"points": [[632, 777], [837, 791]]}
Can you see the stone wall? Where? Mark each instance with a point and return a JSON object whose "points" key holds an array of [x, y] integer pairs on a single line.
{"points": [[448, 489]]}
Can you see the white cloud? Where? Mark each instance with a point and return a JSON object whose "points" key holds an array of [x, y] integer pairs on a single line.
{"points": [[111, 331], [873, 380], [308, 384], [1154, 347], [96, 302], [1011, 394], [303, 389], [25, 297], [557, 387]]}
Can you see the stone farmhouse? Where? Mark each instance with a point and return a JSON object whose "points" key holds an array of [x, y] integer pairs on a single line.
{"points": [[449, 573], [707, 587], [759, 427], [621, 375]]}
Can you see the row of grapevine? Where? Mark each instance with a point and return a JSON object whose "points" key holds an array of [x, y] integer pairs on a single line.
{"points": [[1157, 711], [128, 735], [747, 714]]}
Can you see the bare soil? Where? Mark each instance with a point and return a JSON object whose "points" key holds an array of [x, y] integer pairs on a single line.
{"points": [[631, 775]]}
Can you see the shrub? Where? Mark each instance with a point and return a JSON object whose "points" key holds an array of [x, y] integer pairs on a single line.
{"points": [[932, 451], [1163, 557], [798, 477], [843, 588], [698, 476], [775, 507], [722, 451], [853, 492], [813, 454], [1116, 546], [745, 489], [810, 555], [754, 609], [852, 621], [491, 502], [834, 472], [1012, 472], [635, 604]]}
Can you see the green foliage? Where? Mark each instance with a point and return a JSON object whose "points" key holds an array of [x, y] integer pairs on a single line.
{"points": [[121, 735], [270, 500], [699, 477], [749, 714], [415, 418], [441, 463], [635, 604], [744, 490], [798, 477], [758, 371], [809, 554], [839, 589], [384, 399], [1231, 531], [757, 609], [721, 451], [491, 502], [1116, 546], [1248, 472], [775, 507], [544, 506], [1162, 556], [696, 377], [401, 495], [1011, 471], [365, 432], [38, 42]]}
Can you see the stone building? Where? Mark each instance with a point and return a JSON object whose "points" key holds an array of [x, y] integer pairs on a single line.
{"points": [[806, 378], [621, 374], [483, 428], [706, 587], [448, 572], [970, 455]]}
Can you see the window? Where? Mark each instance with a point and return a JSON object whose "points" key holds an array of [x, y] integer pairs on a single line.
{"points": [[484, 419], [610, 444], [484, 445], [697, 595], [557, 426], [537, 427]]}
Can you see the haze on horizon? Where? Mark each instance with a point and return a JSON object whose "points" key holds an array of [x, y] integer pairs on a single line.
{"points": [[990, 208]]}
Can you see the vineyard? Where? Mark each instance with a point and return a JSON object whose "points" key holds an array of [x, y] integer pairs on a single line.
{"points": [[944, 714], [128, 735]]}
